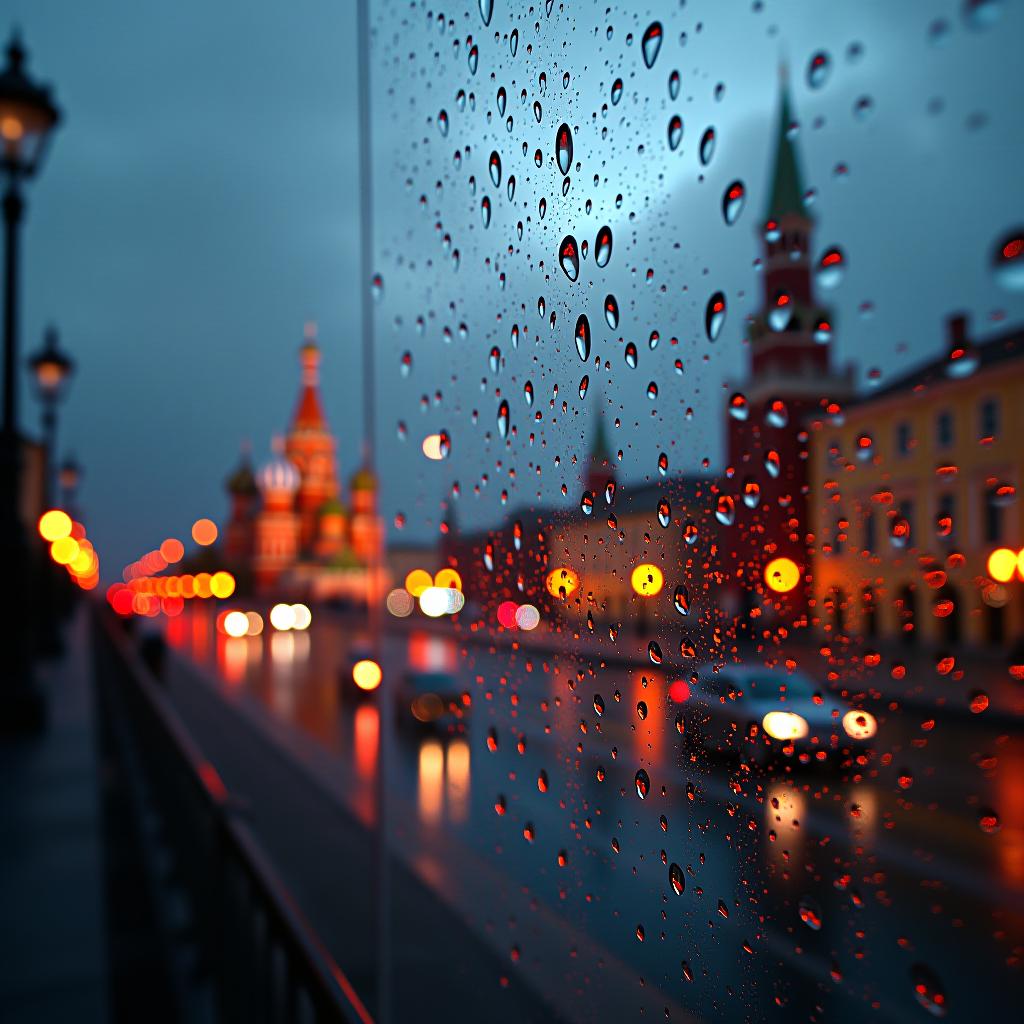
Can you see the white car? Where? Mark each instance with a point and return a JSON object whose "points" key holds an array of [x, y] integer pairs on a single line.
{"points": [[761, 713]]}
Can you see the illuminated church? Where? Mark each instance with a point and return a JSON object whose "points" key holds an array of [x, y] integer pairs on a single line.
{"points": [[288, 531]]}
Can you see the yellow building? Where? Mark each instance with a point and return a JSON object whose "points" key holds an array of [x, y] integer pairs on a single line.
{"points": [[911, 490]]}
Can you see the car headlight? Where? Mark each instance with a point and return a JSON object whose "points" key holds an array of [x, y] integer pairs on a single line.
{"points": [[860, 725], [785, 725]]}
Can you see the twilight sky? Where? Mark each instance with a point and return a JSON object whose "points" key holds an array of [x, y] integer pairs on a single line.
{"points": [[199, 204]]}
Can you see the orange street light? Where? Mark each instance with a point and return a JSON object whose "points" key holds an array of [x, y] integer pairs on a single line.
{"points": [[366, 674], [647, 580], [417, 581], [563, 582], [54, 525], [204, 532], [1002, 564], [781, 575]]}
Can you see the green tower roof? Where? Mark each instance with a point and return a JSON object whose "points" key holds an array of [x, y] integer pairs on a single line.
{"points": [[787, 190]]}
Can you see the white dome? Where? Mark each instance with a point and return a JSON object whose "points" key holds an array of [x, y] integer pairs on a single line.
{"points": [[278, 476]]}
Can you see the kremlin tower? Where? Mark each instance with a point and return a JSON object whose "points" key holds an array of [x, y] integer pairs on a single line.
{"points": [[791, 378]]}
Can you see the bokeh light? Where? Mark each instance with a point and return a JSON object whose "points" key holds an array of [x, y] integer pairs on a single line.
{"points": [[282, 617], [647, 580], [172, 550], [366, 674], [54, 525], [204, 532], [417, 581], [1002, 564], [236, 624], [302, 617], [782, 575], [400, 603]]}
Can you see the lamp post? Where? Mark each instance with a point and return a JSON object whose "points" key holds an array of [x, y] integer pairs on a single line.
{"points": [[69, 477], [28, 116], [51, 370]]}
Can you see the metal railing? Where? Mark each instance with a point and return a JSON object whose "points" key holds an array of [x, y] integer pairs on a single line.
{"points": [[264, 961]]}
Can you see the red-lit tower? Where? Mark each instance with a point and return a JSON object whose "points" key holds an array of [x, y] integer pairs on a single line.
{"points": [[310, 447], [277, 525], [244, 496], [791, 377]]}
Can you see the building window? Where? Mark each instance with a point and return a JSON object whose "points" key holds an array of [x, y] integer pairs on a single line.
{"points": [[989, 417], [870, 530], [903, 440], [992, 517], [944, 429]]}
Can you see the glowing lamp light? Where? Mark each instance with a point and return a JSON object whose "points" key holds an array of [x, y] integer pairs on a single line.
{"points": [[366, 674], [400, 603], [236, 624], [785, 725], [432, 447], [647, 580], [222, 584], [54, 525], [527, 617], [204, 532], [507, 614], [172, 550], [282, 617], [417, 581], [679, 691], [64, 551], [303, 617], [782, 575], [1002, 564], [201, 585], [434, 602], [562, 582], [860, 725], [255, 621], [448, 579]]}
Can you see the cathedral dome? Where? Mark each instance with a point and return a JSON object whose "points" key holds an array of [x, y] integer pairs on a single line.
{"points": [[278, 476]]}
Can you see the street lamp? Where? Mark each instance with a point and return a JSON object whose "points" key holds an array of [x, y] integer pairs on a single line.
{"points": [[28, 116], [51, 370]]}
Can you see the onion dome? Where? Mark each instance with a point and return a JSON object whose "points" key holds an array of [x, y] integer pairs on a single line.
{"points": [[242, 482], [331, 507], [278, 476], [363, 480], [309, 414]]}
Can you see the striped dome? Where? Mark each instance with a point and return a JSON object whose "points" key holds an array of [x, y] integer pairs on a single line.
{"points": [[278, 476]]}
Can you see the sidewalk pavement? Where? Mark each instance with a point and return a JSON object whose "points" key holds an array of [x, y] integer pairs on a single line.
{"points": [[53, 952]]}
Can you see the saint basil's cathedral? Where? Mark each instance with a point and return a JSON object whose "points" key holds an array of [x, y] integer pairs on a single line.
{"points": [[288, 531]]}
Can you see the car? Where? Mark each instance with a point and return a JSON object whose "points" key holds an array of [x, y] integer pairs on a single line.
{"points": [[760, 714], [430, 699]]}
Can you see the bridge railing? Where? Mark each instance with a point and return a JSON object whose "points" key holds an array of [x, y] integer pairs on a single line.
{"points": [[263, 959]]}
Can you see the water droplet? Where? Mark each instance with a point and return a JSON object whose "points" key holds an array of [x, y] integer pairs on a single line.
{"points": [[513, 41], [494, 166], [780, 312], [584, 384], [406, 364], [676, 879], [1008, 261], [444, 444], [714, 315], [654, 653], [733, 201], [822, 331], [616, 91], [502, 99], [503, 419], [442, 122], [569, 257], [651, 43], [474, 58], [751, 493], [675, 132], [528, 393], [980, 14], [681, 600], [818, 69], [631, 355], [775, 413], [831, 267], [563, 148], [611, 312], [928, 990], [485, 211], [609, 492], [587, 503], [663, 463], [690, 533], [583, 337], [707, 146], [810, 913], [538, 111], [725, 510], [486, 10], [988, 821], [652, 390], [673, 86], [664, 512], [492, 739], [603, 246], [643, 783], [739, 407]]}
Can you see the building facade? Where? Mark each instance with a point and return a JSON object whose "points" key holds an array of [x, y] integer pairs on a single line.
{"points": [[913, 490]]}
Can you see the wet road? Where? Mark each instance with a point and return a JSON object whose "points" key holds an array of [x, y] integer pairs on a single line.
{"points": [[804, 894]]}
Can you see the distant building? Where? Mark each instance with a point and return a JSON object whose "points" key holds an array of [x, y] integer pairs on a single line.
{"points": [[913, 490], [764, 501], [288, 531]]}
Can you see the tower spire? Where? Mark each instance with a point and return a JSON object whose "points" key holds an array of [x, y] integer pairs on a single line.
{"points": [[787, 191]]}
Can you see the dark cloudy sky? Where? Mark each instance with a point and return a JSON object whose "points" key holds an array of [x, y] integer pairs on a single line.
{"points": [[199, 205]]}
